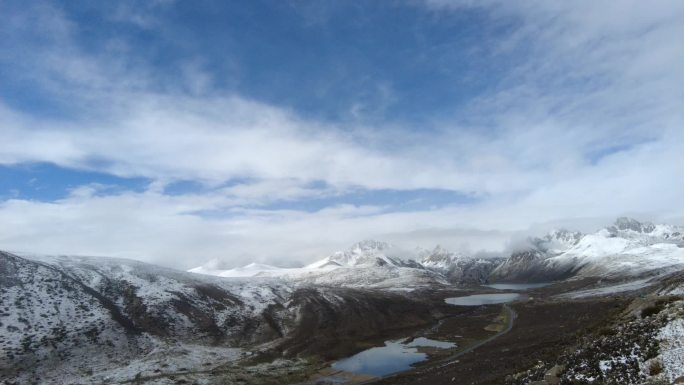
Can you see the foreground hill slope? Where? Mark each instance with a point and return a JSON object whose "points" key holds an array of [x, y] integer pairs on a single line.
{"points": [[104, 320], [100, 311]]}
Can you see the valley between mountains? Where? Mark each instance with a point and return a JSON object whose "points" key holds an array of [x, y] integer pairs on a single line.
{"points": [[569, 308]]}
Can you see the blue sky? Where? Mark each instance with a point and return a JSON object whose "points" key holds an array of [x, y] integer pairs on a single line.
{"points": [[383, 62], [177, 132]]}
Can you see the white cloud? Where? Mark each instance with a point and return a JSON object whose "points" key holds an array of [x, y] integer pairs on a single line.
{"points": [[600, 78], [218, 139]]}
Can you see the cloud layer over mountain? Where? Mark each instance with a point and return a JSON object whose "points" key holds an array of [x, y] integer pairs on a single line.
{"points": [[537, 113]]}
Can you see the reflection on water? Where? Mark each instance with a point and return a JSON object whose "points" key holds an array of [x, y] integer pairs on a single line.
{"points": [[395, 356], [517, 286], [482, 299]]}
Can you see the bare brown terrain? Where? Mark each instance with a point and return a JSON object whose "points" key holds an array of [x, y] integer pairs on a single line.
{"points": [[541, 330]]}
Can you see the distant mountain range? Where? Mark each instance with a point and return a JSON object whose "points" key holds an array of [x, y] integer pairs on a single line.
{"points": [[372, 264], [626, 248]]}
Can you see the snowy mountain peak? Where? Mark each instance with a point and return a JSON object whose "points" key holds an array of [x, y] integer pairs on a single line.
{"points": [[560, 239], [564, 236], [628, 247], [457, 268], [625, 223], [645, 232], [439, 250], [364, 253], [555, 241], [439, 257]]}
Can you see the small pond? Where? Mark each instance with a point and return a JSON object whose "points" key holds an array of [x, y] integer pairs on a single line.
{"points": [[395, 356], [482, 299], [517, 286]]}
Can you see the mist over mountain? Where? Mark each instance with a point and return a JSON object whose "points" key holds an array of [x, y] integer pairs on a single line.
{"points": [[627, 247]]}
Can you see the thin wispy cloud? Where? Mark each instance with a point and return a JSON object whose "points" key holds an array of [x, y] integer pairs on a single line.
{"points": [[499, 116]]}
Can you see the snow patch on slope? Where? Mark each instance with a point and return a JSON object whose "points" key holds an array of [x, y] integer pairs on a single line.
{"points": [[612, 289], [672, 348]]}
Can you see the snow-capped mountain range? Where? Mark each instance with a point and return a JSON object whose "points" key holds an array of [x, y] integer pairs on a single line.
{"points": [[365, 264], [626, 248], [373, 264], [101, 320]]}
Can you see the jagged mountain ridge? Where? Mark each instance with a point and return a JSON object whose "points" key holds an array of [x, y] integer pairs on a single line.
{"points": [[373, 264], [365, 253], [458, 268], [626, 248]]}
